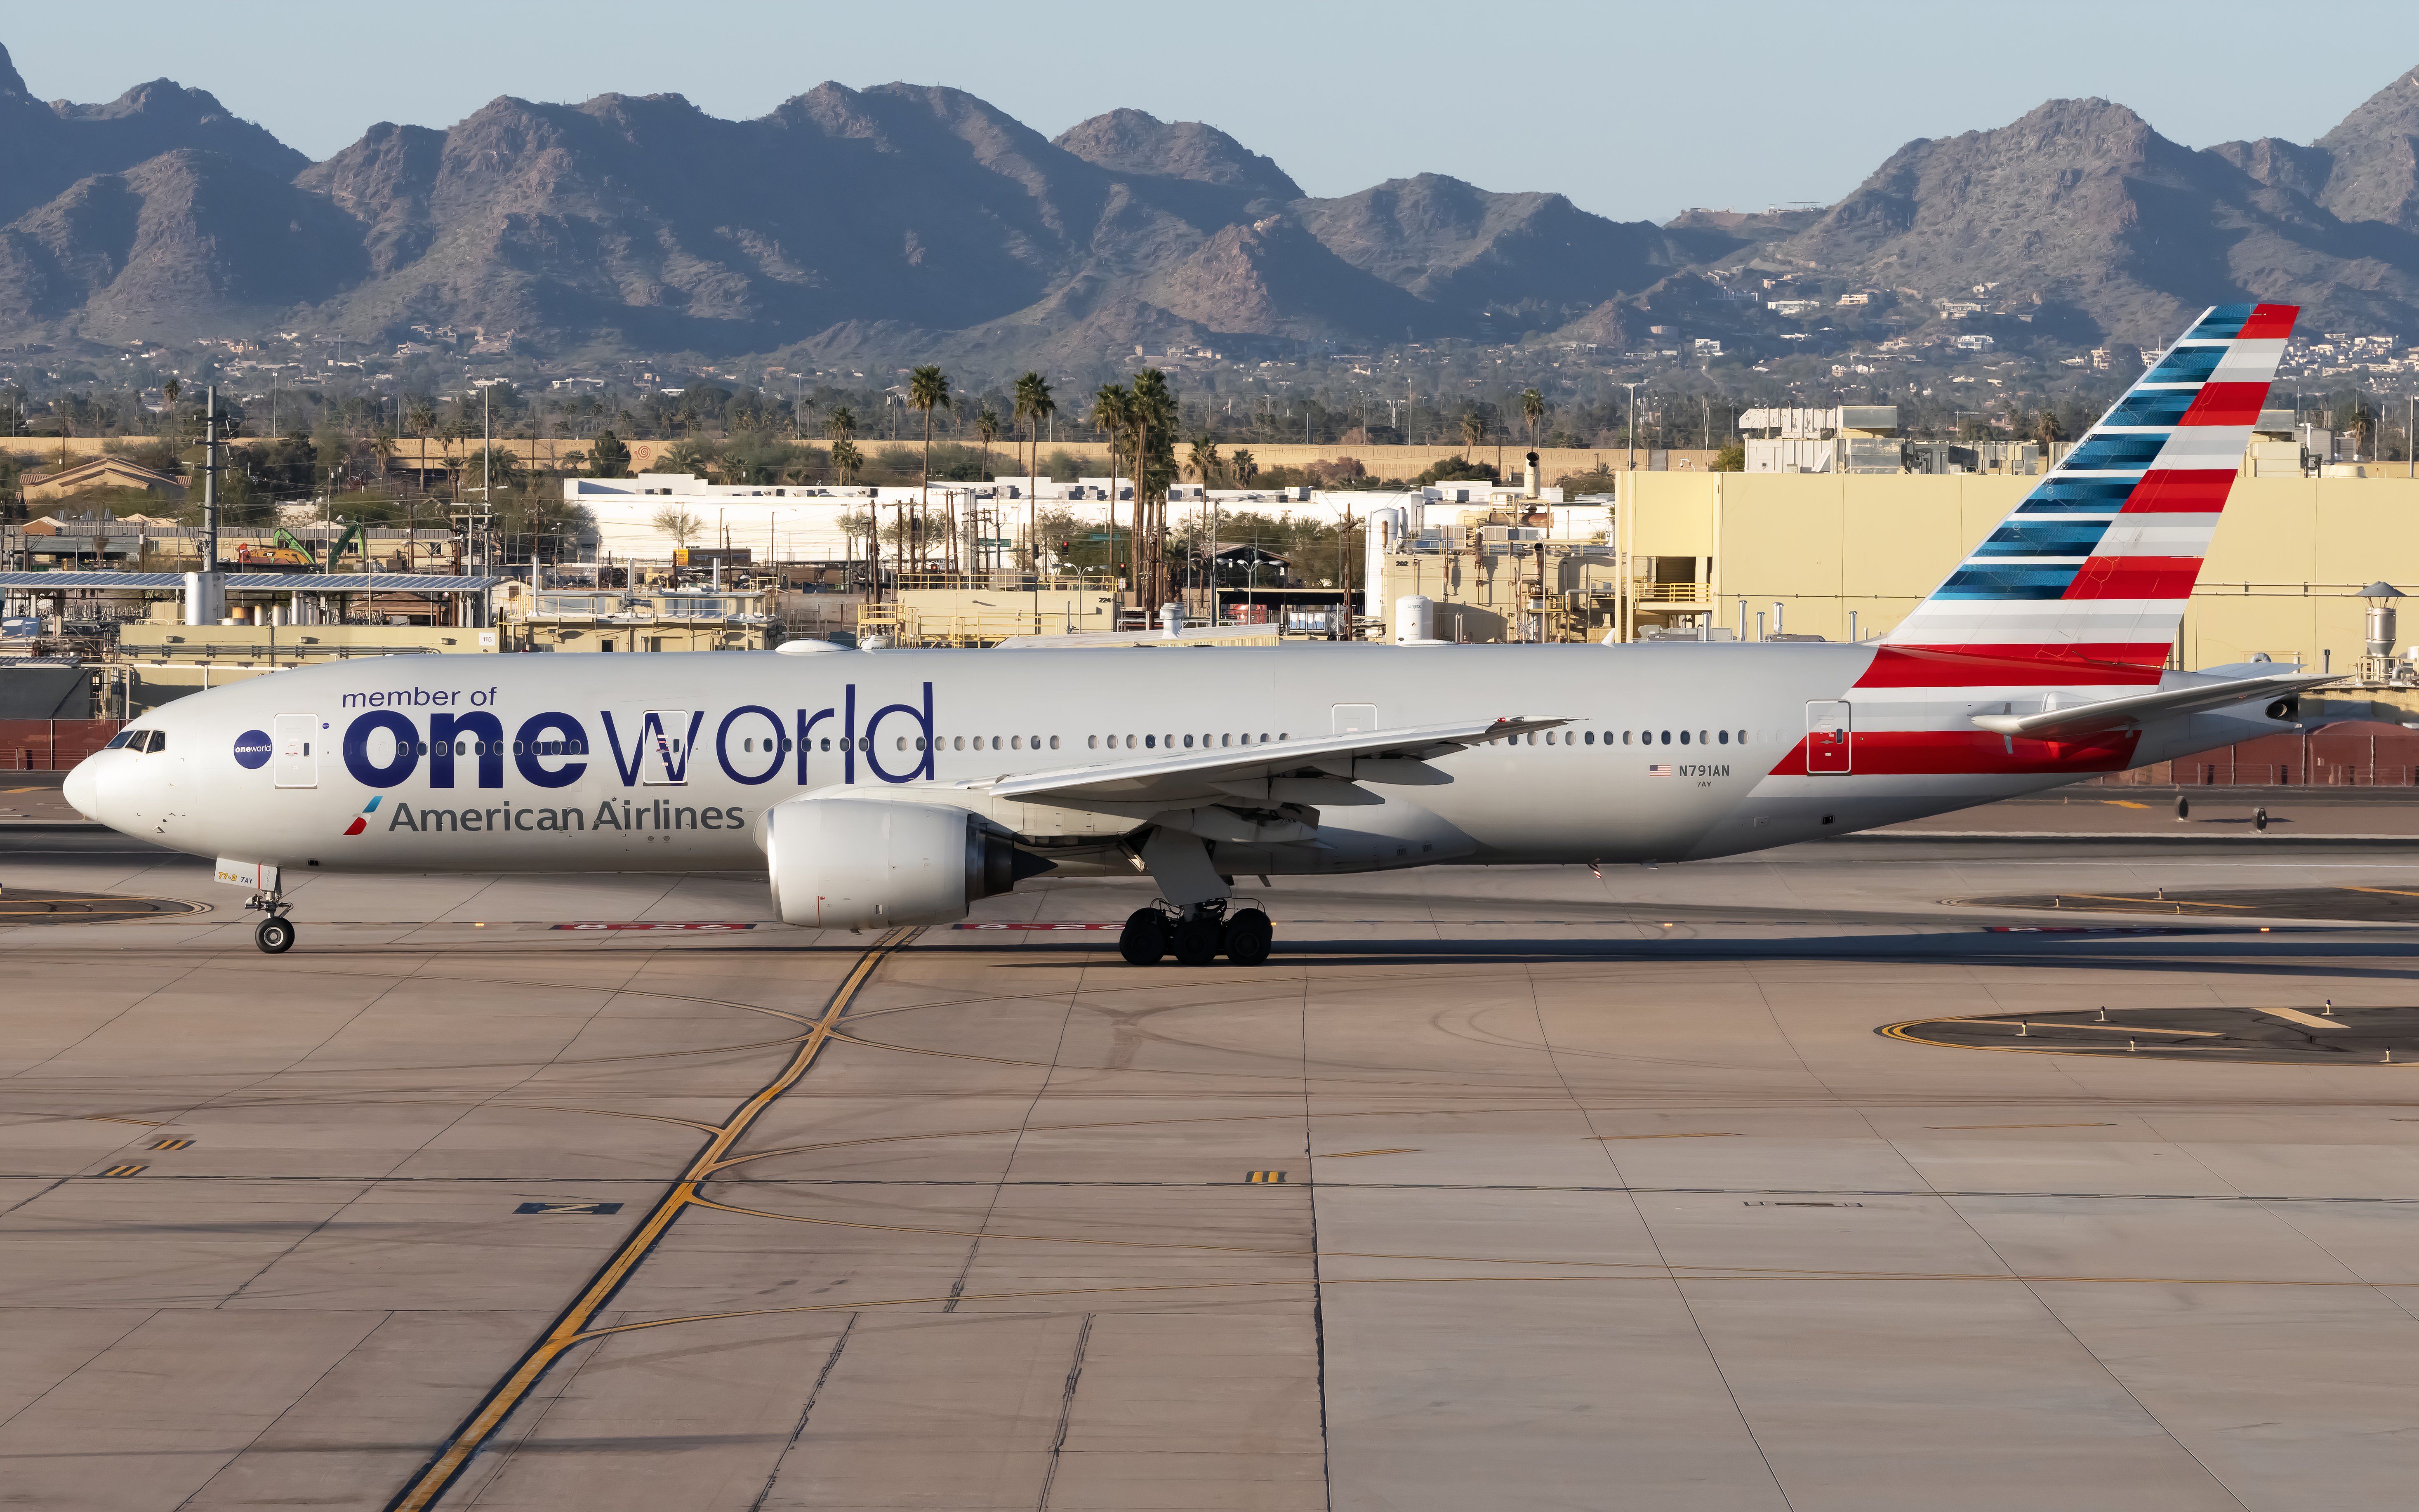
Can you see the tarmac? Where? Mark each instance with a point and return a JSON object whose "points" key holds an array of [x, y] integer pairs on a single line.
{"points": [[1508, 1188]]}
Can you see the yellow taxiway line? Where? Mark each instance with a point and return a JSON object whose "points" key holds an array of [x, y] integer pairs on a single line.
{"points": [[572, 1326]]}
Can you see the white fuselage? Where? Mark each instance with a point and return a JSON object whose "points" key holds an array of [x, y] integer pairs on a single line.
{"points": [[667, 763]]}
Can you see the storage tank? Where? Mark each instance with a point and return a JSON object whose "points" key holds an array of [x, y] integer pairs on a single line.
{"points": [[2382, 627], [1415, 619]]}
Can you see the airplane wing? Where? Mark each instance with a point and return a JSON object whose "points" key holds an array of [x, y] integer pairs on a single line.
{"points": [[2164, 703], [1226, 775]]}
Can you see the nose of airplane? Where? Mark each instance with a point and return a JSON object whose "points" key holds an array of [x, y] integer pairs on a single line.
{"points": [[82, 790]]}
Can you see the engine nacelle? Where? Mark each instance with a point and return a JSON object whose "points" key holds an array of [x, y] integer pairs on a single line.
{"points": [[838, 863]]}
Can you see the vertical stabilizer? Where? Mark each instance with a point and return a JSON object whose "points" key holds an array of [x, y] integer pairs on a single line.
{"points": [[2098, 562]]}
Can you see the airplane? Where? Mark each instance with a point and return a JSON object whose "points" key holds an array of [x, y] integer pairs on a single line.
{"points": [[889, 787]]}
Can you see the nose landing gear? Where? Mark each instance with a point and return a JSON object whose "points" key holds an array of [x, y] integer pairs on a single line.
{"points": [[274, 934]]}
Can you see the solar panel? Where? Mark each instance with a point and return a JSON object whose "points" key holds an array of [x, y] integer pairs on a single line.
{"points": [[257, 582]]}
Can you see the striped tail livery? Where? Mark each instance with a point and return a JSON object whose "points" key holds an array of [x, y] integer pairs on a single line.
{"points": [[2096, 565]]}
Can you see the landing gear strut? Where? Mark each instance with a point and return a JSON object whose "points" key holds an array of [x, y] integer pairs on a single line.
{"points": [[1195, 937], [274, 934]]}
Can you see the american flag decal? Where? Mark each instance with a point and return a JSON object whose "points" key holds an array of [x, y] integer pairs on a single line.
{"points": [[1658, 769]]}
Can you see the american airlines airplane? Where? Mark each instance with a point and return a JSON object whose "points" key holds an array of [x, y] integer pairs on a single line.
{"points": [[889, 787]]}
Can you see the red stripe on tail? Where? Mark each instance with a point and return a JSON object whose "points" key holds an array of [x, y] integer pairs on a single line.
{"points": [[2057, 665], [2227, 404], [2180, 491], [2269, 322], [2136, 577]]}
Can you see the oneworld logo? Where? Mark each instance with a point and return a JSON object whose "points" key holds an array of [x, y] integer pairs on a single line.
{"points": [[252, 749]]}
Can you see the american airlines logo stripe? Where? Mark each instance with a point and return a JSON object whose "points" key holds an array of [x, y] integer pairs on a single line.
{"points": [[2098, 560]]}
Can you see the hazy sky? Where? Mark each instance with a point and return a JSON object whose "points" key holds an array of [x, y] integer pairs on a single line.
{"points": [[1632, 110]]}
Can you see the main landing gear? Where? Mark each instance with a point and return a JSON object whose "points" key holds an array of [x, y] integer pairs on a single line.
{"points": [[274, 934], [1196, 936]]}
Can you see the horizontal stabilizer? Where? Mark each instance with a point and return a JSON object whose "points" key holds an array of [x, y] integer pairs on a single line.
{"points": [[2140, 708]]}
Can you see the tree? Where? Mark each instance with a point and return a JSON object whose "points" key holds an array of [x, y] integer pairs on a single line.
{"points": [[1244, 464], [928, 389], [1034, 404], [608, 457], [497, 469], [1203, 462], [1153, 419], [678, 523], [689, 454], [1474, 430], [986, 430], [382, 447], [845, 458], [2049, 433], [1112, 409], [1532, 409]]}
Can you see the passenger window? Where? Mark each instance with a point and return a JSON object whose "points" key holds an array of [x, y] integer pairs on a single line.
{"points": [[1151, 741], [1742, 737], [1094, 743], [826, 742], [1591, 737], [1016, 742], [1683, 737], [1188, 742], [1667, 737], [1724, 738], [1624, 737], [1053, 742]]}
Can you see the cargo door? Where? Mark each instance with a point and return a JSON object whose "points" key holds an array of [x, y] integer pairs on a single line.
{"points": [[296, 737], [1353, 719], [1827, 732]]}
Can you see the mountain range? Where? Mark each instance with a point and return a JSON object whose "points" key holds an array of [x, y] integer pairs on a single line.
{"points": [[876, 223]]}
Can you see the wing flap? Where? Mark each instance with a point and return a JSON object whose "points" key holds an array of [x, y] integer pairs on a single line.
{"points": [[1216, 774]]}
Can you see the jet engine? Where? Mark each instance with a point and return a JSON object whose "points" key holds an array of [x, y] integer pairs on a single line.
{"points": [[842, 863]]}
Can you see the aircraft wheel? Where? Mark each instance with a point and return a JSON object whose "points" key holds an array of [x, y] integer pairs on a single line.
{"points": [[275, 937], [1145, 937], [1197, 941], [1248, 935]]}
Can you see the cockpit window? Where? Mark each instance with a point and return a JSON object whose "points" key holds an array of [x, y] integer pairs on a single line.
{"points": [[159, 740], [118, 740]]}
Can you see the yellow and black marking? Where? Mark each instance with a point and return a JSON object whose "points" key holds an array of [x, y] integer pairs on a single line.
{"points": [[172, 1144], [124, 1170], [1259, 1178], [580, 1210], [2248, 1035], [574, 1324]]}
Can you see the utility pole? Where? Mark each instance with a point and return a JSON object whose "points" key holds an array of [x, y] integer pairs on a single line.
{"points": [[205, 594], [1633, 426]]}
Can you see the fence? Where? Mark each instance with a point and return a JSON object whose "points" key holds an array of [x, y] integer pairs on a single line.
{"points": [[51, 744], [2352, 753]]}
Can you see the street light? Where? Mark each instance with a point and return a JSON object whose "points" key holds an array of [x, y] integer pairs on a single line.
{"points": [[1633, 389]]}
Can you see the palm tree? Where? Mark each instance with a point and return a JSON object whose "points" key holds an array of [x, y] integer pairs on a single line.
{"points": [[1244, 465], [928, 389], [986, 431], [1033, 406], [1112, 410], [845, 458], [1474, 430], [1532, 409], [1154, 408], [382, 447], [2049, 433], [1204, 460]]}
